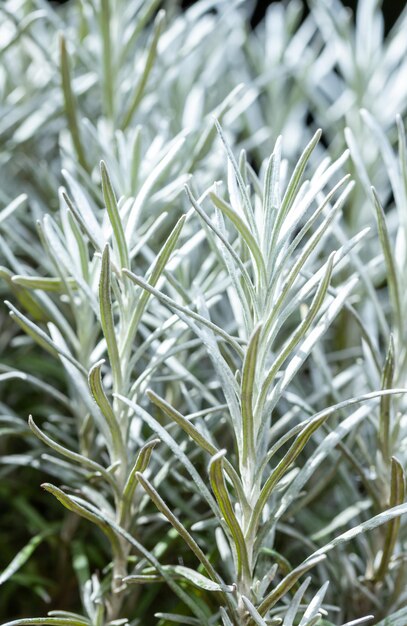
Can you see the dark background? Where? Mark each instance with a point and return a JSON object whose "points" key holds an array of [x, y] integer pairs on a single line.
{"points": [[391, 9]]}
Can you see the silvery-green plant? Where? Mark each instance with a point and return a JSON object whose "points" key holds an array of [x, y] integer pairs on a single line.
{"points": [[215, 371]]}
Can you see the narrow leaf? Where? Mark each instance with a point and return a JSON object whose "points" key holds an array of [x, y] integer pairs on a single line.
{"points": [[148, 66], [44, 284], [287, 583], [247, 396], [187, 312], [397, 495], [385, 402], [106, 318], [71, 105], [114, 216], [40, 337], [141, 463], [48, 621], [152, 279], [179, 527], [71, 504], [194, 433], [225, 505], [254, 614], [78, 459], [371, 524], [282, 467], [99, 395], [387, 247], [21, 558]]}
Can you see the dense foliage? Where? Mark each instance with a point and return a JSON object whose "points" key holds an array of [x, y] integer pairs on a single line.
{"points": [[203, 351]]}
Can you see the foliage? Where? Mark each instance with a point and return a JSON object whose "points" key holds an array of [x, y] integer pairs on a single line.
{"points": [[203, 348]]}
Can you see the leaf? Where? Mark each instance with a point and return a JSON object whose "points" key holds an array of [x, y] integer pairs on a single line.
{"points": [[282, 467], [146, 11], [194, 433], [22, 557], [243, 231], [298, 266], [175, 449], [106, 318], [225, 505], [330, 442], [247, 396], [295, 603], [298, 334], [172, 304], [288, 243], [57, 247], [116, 442], [192, 576], [48, 621], [26, 299], [142, 579], [138, 91], [73, 504], [247, 207], [78, 459], [374, 522], [402, 152], [154, 274], [108, 76], [343, 518], [287, 583], [83, 214], [313, 608], [228, 246], [151, 180], [361, 620], [206, 138], [44, 284], [255, 615], [179, 527], [178, 619], [200, 581], [184, 597], [114, 216], [271, 195], [13, 206], [81, 244], [40, 337], [225, 618], [70, 104], [292, 187], [392, 276], [141, 463], [384, 416], [68, 614], [397, 495], [310, 341], [396, 619]]}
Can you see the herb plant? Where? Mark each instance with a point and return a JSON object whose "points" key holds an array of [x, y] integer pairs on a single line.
{"points": [[203, 351]]}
